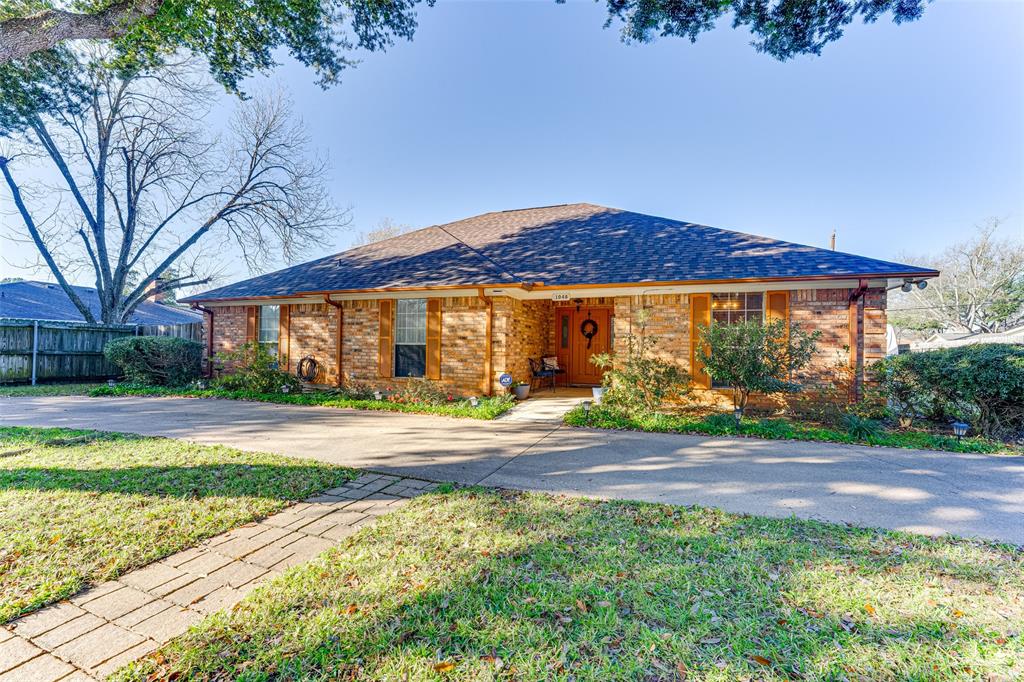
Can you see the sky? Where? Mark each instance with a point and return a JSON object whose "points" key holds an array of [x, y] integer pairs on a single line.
{"points": [[900, 138]]}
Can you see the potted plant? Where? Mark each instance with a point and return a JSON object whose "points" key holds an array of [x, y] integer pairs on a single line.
{"points": [[521, 390]]}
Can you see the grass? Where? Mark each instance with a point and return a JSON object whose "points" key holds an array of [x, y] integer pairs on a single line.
{"points": [[489, 408], [781, 429], [78, 507], [482, 585], [40, 390]]}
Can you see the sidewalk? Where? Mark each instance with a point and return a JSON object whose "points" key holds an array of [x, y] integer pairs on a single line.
{"points": [[107, 626]]}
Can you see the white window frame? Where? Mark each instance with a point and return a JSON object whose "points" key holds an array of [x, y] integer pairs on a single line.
{"points": [[410, 330]]}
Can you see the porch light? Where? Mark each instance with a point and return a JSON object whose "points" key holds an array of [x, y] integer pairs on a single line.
{"points": [[377, 395], [960, 429], [474, 401]]}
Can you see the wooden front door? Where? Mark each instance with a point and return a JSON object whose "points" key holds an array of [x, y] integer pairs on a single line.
{"points": [[582, 334]]}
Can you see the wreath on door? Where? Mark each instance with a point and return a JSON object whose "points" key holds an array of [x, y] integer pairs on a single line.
{"points": [[589, 330]]}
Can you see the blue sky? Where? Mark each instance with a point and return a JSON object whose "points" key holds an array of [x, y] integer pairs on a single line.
{"points": [[899, 137]]}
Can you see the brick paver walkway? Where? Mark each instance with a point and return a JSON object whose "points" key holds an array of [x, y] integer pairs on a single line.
{"points": [[107, 626]]}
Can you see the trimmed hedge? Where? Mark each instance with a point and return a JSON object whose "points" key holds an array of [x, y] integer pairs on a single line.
{"points": [[983, 384], [156, 360]]}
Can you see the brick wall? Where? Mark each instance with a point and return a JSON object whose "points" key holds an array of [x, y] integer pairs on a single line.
{"points": [[313, 331], [525, 329], [522, 330]]}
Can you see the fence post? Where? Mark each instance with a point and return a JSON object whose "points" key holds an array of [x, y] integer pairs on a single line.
{"points": [[35, 349]]}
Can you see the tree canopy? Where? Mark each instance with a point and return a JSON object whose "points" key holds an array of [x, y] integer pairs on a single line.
{"points": [[238, 37]]}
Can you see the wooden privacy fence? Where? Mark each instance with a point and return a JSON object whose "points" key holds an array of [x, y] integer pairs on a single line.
{"points": [[46, 350]]}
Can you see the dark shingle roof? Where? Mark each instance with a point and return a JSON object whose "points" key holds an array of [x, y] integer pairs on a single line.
{"points": [[46, 301], [571, 244]]}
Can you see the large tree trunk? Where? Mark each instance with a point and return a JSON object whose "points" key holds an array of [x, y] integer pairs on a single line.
{"points": [[21, 36]]}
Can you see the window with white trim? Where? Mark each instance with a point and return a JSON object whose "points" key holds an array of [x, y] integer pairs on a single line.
{"points": [[270, 321], [737, 307], [410, 337]]}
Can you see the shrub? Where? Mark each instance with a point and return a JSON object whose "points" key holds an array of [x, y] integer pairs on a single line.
{"points": [[983, 384], [421, 391], [755, 357], [861, 428], [900, 386], [638, 382], [252, 368], [156, 360]]}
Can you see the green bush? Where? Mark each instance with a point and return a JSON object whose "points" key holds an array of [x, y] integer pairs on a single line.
{"points": [[983, 384], [156, 360], [756, 357], [638, 382], [862, 428], [252, 368]]}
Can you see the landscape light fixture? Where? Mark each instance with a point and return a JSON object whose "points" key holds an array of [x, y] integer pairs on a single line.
{"points": [[377, 395], [111, 383], [960, 429], [474, 401], [586, 409], [738, 413]]}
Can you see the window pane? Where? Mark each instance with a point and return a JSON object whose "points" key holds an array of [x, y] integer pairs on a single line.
{"points": [[411, 321], [270, 316], [410, 361]]}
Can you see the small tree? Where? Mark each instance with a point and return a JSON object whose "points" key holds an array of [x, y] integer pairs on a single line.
{"points": [[638, 381], [754, 357]]}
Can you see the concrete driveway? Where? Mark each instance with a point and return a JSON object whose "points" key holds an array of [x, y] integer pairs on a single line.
{"points": [[922, 491]]}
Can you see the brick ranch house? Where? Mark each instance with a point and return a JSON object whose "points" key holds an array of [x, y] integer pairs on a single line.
{"points": [[464, 302]]}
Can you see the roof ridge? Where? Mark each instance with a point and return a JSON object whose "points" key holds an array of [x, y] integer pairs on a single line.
{"points": [[501, 268]]}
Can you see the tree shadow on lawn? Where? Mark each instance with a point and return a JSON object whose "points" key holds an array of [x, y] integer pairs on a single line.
{"points": [[484, 584], [81, 507], [269, 481]]}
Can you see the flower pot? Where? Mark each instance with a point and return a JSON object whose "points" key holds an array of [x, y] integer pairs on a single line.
{"points": [[598, 394], [521, 392]]}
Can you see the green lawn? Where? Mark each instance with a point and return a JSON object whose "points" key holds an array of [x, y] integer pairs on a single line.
{"points": [[489, 408], [781, 429], [78, 507], [21, 391], [482, 585]]}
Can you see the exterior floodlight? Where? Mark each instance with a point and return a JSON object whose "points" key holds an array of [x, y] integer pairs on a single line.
{"points": [[922, 284], [907, 286], [960, 429]]}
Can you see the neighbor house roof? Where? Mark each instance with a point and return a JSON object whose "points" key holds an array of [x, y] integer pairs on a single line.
{"points": [[955, 339], [47, 301], [571, 244]]}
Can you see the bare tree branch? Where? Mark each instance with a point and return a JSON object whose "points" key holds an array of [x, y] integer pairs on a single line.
{"points": [[40, 245]]}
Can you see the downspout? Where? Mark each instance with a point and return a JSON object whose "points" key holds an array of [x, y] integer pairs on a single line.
{"points": [[209, 340], [488, 334], [857, 340], [341, 333]]}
